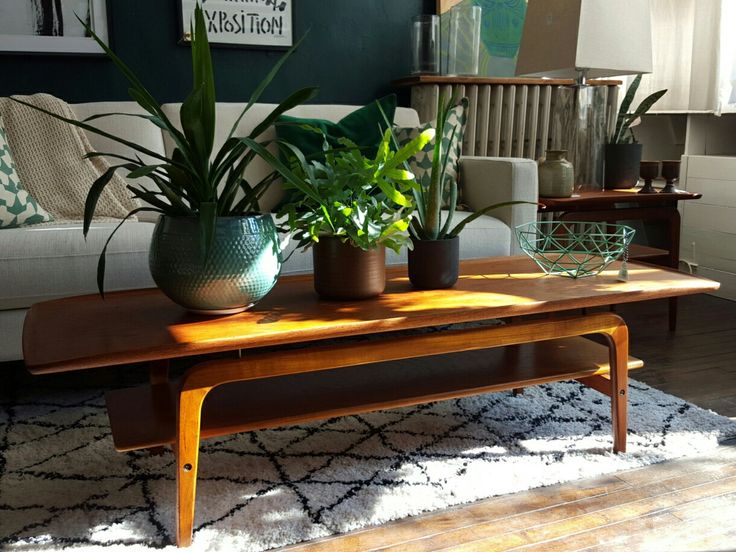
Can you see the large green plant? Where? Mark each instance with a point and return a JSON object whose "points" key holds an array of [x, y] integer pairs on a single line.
{"points": [[194, 181], [428, 225], [622, 134], [366, 202]]}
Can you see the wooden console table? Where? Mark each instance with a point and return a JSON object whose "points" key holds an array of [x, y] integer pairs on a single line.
{"points": [[312, 378], [618, 205]]}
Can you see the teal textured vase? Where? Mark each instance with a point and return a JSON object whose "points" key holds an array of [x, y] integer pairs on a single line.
{"points": [[243, 266]]}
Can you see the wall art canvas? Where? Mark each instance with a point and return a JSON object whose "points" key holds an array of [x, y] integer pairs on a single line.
{"points": [[51, 26], [500, 34], [248, 23]]}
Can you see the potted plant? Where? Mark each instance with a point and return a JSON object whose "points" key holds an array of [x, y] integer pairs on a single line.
{"points": [[212, 250], [349, 208], [434, 259], [623, 153]]}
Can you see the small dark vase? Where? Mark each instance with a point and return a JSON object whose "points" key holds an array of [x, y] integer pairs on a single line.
{"points": [[342, 271], [622, 166], [434, 264]]}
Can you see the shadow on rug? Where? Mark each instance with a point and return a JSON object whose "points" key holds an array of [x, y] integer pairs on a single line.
{"points": [[62, 484]]}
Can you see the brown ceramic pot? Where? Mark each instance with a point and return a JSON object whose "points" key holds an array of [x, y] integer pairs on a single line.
{"points": [[434, 264], [342, 271]]}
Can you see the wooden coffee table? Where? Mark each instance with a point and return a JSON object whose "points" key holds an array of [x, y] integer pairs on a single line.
{"points": [[284, 337]]}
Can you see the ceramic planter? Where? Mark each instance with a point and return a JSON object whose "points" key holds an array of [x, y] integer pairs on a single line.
{"points": [[622, 166], [556, 175], [342, 271], [242, 267], [434, 264]]}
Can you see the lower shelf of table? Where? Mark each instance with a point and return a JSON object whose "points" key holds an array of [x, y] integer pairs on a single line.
{"points": [[143, 417]]}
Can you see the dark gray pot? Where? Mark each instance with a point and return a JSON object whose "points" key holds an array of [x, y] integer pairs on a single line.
{"points": [[434, 264], [243, 266], [622, 166]]}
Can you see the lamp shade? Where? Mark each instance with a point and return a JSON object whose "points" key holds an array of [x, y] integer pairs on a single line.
{"points": [[561, 38]]}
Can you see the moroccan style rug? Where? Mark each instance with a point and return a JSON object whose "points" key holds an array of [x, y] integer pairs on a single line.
{"points": [[63, 485]]}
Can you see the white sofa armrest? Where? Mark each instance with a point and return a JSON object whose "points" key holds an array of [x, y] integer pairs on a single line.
{"points": [[489, 180]]}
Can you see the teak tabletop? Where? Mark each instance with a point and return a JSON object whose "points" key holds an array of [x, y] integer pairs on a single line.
{"points": [[143, 325]]}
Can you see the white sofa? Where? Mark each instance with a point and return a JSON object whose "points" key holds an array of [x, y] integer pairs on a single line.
{"points": [[39, 263]]}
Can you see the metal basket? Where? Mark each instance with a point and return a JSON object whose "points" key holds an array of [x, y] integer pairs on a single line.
{"points": [[574, 249]]}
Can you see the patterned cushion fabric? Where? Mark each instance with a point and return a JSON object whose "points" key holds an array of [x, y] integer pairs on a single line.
{"points": [[421, 163], [17, 206]]}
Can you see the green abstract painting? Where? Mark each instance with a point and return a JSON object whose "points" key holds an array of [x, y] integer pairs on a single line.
{"points": [[500, 35]]}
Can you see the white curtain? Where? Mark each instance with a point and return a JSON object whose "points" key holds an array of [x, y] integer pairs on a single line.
{"points": [[694, 56]]}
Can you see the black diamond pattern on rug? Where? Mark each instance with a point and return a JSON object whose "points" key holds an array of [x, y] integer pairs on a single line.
{"points": [[62, 484]]}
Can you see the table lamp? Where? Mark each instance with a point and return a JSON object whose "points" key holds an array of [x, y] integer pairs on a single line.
{"points": [[580, 40]]}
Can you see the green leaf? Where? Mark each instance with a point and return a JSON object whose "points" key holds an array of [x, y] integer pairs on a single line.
{"points": [[264, 84], [207, 227], [392, 193], [411, 148], [93, 196], [198, 129], [204, 81], [142, 171], [462, 224], [101, 261]]}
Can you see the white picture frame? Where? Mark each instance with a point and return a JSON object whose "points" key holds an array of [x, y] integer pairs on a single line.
{"points": [[36, 44], [263, 24]]}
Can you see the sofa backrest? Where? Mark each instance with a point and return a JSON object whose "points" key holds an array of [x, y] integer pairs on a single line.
{"points": [[142, 131]]}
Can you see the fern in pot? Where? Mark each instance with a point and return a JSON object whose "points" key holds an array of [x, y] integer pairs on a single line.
{"points": [[212, 250], [623, 152], [349, 208]]}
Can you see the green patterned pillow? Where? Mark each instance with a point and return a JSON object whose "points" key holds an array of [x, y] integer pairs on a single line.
{"points": [[421, 163], [17, 207]]}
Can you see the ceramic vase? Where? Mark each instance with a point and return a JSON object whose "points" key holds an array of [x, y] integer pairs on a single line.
{"points": [[242, 267], [556, 175]]}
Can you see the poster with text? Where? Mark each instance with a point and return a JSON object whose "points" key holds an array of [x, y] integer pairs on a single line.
{"points": [[252, 23]]}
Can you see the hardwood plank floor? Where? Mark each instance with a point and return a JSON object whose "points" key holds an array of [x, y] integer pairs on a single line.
{"points": [[687, 504]]}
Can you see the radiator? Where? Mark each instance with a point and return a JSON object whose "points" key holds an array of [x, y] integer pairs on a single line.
{"points": [[509, 119]]}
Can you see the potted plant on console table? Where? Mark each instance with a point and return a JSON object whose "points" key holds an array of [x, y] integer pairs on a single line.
{"points": [[623, 153], [212, 250], [349, 208], [434, 260]]}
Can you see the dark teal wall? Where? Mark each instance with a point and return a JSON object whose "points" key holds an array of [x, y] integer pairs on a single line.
{"points": [[353, 52]]}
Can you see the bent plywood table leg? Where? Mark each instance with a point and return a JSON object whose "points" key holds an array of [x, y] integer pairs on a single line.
{"points": [[202, 378]]}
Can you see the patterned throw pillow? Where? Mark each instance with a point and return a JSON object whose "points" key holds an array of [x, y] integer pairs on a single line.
{"points": [[421, 163], [17, 207]]}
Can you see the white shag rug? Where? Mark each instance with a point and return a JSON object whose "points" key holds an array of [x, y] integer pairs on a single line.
{"points": [[62, 485]]}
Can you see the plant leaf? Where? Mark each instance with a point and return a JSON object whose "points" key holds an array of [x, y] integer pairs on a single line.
{"points": [[93, 196], [101, 261], [483, 211]]}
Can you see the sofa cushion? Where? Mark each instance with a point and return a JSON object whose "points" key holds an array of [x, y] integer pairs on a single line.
{"points": [[364, 127], [17, 206], [484, 237], [47, 261]]}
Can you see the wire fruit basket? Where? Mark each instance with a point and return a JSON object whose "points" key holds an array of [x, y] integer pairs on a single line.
{"points": [[574, 249]]}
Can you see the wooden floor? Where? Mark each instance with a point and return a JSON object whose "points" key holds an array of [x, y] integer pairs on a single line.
{"points": [[674, 506]]}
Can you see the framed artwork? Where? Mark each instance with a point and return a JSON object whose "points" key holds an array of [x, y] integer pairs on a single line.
{"points": [[502, 22], [265, 24], [51, 26]]}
